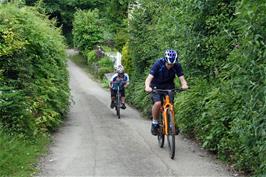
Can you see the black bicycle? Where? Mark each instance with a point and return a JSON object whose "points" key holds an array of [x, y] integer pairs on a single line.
{"points": [[118, 86]]}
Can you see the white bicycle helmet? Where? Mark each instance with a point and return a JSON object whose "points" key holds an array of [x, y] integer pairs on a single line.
{"points": [[120, 69], [171, 56]]}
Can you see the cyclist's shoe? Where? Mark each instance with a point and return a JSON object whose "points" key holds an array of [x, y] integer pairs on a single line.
{"points": [[177, 131], [123, 106], [154, 129], [112, 104]]}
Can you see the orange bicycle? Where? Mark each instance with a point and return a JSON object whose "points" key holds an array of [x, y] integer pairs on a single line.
{"points": [[167, 120]]}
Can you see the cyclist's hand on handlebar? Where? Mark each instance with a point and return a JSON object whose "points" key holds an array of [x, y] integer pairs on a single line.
{"points": [[125, 85], [122, 83], [148, 89]]}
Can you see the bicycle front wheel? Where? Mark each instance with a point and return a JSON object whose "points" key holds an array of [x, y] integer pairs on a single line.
{"points": [[161, 133], [117, 106], [117, 111], [171, 134]]}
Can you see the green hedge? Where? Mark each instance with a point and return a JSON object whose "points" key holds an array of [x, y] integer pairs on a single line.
{"points": [[34, 80], [222, 48], [221, 45], [99, 65], [87, 29]]}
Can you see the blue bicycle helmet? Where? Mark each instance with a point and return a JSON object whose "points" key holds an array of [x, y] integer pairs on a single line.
{"points": [[171, 56]]}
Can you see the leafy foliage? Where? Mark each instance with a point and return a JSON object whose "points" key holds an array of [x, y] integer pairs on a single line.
{"points": [[91, 57], [99, 65], [87, 30], [139, 99], [126, 61], [63, 11], [221, 45], [105, 66], [115, 14], [34, 81], [27, 152]]}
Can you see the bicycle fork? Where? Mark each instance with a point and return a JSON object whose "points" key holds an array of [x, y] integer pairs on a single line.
{"points": [[168, 108]]}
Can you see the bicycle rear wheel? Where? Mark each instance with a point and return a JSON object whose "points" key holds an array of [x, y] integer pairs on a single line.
{"points": [[161, 133], [171, 134]]}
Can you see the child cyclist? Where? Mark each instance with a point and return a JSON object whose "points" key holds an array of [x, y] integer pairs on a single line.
{"points": [[120, 77]]}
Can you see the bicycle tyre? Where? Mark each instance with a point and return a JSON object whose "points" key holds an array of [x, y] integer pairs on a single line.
{"points": [[161, 133], [171, 134], [117, 105]]}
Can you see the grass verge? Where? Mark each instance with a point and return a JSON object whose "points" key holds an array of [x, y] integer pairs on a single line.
{"points": [[19, 155]]}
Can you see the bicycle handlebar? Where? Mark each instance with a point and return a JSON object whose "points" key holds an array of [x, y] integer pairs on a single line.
{"points": [[168, 90], [119, 83], [155, 90]]}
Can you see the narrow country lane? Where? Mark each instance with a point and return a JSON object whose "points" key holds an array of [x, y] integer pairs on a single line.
{"points": [[93, 142]]}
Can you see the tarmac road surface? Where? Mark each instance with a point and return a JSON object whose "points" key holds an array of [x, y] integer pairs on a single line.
{"points": [[93, 142]]}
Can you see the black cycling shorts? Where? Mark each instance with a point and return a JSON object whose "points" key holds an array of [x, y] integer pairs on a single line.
{"points": [[113, 92], [159, 97]]}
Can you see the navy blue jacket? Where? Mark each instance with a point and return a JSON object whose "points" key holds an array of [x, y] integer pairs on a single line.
{"points": [[164, 78]]}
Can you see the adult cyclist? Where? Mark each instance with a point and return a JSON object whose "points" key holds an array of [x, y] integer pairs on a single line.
{"points": [[161, 76], [119, 77]]}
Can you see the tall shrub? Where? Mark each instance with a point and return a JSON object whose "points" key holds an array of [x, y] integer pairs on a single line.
{"points": [[87, 30], [246, 75], [34, 81], [221, 45]]}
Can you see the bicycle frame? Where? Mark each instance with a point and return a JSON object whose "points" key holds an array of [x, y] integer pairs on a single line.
{"points": [[118, 96], [167, 120], [167, 105]]}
